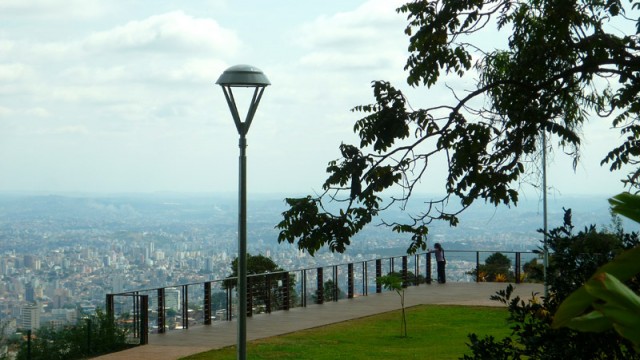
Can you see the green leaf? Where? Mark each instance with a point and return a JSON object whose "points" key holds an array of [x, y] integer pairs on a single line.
{"points": [[591, 322], [606, 287], [627, 205], [622, 267]]}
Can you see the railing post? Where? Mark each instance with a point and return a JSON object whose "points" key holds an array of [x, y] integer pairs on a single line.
{"points": [[350, 280], [365, 280], [320, 291], [416, 269], [89, 336], [185, 306], [477, 266], [287, 292], [428, 268], [268, 297], [405, 276], [136, 315], [229, 304], [207, 303], [29, 344], [250, 281], [517, 272], [161, 318], [378, 275], [110, 309], [335, 291], [303, 301], [144, 319]]}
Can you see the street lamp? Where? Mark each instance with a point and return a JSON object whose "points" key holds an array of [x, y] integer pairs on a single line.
{"points": [[245, 76]]}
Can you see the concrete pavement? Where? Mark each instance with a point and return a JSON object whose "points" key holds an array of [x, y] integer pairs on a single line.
{"points": [[176, 344]]}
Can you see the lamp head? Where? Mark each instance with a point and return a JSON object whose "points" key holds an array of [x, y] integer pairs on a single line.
{"points": [[243, 76]]}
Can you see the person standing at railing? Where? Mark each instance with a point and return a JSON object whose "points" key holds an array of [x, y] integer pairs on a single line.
{"points": [[440, 260]]}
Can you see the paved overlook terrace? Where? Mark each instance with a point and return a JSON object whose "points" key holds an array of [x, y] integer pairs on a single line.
{"points": [[176, 321]]}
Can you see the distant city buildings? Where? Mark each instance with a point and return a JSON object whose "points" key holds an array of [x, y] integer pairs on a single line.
{"points": [[56, 265], [30, 317]]}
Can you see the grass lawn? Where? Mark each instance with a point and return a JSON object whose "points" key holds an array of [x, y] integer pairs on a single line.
{"points": [[434, 332]]}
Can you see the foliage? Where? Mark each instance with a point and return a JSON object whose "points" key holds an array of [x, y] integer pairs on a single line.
{"points": [[534, 271], [497, 267], [328, 292], [604, 302], [4, 341], [574, 257], [96, 335], [257, 285], [562, 63], [412, 279], [394, 282]]}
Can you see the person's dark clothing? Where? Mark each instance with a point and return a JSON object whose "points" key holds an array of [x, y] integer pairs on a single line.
{"points": [[441, 261]]}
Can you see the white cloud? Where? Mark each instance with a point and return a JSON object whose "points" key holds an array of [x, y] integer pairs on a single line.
{"points": [[6, 46], [173, 32], [192, 71], [15, 72], [52, 9], [345, 61], [370, 36], [365, 25], [71, 129], [5, 111]]}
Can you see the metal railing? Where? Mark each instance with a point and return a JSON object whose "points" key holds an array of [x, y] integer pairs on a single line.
{"points": [[158, 310]]}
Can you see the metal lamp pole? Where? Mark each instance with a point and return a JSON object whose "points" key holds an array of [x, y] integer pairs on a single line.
{"points": [[248, 77]]}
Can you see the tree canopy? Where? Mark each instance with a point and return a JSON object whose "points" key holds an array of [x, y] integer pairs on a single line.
{"points": [[565, 62], [258, 264]]}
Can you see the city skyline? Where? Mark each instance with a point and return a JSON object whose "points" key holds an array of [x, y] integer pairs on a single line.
{"points": [[103, 97]]}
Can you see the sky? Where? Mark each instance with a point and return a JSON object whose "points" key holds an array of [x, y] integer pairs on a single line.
{"points": [[102, 96]]}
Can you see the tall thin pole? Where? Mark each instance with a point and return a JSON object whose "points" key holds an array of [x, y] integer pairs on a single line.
{"points": [[545, 246], [242, 250]]}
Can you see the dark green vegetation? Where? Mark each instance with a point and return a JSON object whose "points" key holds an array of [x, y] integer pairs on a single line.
{"points": [[92, 336], [604, 302], [575, 258], [497, 267], [560, 64], [260, 287], [436, 332]]}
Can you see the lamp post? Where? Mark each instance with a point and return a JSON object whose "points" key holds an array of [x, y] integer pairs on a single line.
{"points": [[248, 77]]}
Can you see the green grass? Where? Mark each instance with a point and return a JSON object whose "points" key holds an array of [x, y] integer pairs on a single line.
{"points": [[434, 332]]}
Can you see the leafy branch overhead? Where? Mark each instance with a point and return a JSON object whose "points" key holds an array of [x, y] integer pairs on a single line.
{"points": [[563, 64]]}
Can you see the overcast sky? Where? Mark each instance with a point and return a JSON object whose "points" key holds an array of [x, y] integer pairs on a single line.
{"points": [[120, 96]]}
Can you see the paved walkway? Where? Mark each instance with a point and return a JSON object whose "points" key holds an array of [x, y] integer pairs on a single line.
{"points": [[176, 344]]}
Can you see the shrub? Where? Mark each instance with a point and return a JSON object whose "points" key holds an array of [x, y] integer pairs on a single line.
{"points": [[574, 258]]}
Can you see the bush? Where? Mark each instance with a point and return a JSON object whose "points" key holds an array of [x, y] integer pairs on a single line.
{"points": [[573, 259], [497, 268], [98, 334]]}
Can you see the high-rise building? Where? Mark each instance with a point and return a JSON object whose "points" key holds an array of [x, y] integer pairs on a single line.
{"points": [[30, 317], [29, 293], [29, 261], [172, 299]]}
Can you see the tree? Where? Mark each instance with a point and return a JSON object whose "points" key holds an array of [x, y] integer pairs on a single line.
{"points": [[97, 334], [393, 282], [574, 258], [534, 271], [604, 302], [257, 288], [564, 62], [497, 264], [328, 292]]}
